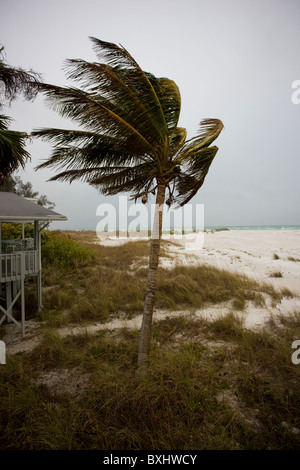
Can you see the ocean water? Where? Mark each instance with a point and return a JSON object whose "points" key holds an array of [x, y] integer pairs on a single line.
{"points": [[255, 227], [212, 227]]}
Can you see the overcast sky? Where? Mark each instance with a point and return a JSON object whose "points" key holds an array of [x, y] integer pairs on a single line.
{"points": [[235, 60]]}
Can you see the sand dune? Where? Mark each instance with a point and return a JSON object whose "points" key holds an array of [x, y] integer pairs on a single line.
{"points": [[256, 253], [271, 256]]}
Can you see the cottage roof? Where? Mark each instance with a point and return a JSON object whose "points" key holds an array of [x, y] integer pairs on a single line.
{"points": [[14, 208]]}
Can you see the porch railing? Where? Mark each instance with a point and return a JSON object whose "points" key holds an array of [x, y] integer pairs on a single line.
{"points": [[11, 246], [14, 266]]}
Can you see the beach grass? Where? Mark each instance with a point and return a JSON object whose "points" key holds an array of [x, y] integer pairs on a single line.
{"points": [[96, 282], [210, 385], [218, 387]]}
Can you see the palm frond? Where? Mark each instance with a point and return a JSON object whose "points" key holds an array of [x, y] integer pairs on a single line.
{"points": [[13, 153], [136, 78], [86, 174], [82, 149], [95, 113], [116, 56], [177, 141], [136, 186], [17, 80], [209, 130], [189, 182], [113, 179], [170, 99], [103, 80], [60, 136]]}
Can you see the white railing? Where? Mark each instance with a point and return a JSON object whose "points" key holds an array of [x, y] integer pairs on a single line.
{"points": [[15, 266], [19, 244]]}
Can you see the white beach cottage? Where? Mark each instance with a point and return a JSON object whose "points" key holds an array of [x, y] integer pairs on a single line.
{"points": [[21, 257]]}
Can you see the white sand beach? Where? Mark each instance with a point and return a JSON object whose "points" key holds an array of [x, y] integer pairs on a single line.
{"points": [[253, 253], [260, 254], [249, 252]]}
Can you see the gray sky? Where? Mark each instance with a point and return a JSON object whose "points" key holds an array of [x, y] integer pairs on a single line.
{"points": [[234, 60]]}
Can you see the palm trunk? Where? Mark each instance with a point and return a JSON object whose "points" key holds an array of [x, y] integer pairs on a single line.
{"points": [[145, 336]]}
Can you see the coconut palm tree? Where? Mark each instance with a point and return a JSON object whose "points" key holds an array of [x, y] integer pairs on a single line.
{"points": [[129, 142], [13, 81]]}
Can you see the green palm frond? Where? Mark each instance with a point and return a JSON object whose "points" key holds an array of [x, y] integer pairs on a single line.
{"points": [[87, 173], [125, 65], [209, 130], [177, 141], [196, 168], [13, 153], [130, 179], [170, 99], [101, 80], [94, 113], [87, 150], [17, 80]]}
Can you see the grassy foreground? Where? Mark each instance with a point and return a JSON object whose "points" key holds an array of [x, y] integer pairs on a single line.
{"points": [[211, 385]]}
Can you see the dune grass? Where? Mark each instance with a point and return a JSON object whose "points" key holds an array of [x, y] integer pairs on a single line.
{"points": [[210, 385], [89, 282], [219, 387]]}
